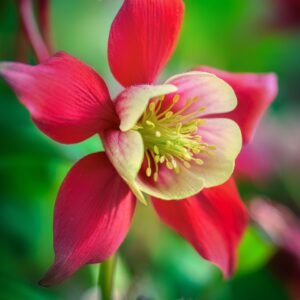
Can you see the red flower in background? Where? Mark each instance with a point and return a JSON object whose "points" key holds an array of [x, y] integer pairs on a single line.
{"points": [[167, 140], [275, 149], [283, 227], [285, 14]]}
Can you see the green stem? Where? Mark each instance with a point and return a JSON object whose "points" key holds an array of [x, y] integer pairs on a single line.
{"points": [[106, 277]]}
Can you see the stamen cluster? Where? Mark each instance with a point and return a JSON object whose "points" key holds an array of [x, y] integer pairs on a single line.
{"points": [[172, 138]]}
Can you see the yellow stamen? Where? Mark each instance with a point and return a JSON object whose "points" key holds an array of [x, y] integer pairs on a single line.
{"points": [[172, 137], [175, 100]]}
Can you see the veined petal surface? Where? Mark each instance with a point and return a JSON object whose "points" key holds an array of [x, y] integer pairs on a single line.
{"points": [[142, 38], [93, 212], [67, 99]]}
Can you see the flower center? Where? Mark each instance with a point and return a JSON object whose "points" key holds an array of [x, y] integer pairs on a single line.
{"points": [[172, 137]]}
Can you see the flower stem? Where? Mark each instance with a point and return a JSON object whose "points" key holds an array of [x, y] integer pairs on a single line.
{"points": [[44, 21], [31, 29], [106, 277]]}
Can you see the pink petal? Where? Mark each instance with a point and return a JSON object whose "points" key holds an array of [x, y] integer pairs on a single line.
{"points": [[280, 223], [67, 99], [212, 221], [255, 93], [142, 39], [212, 94], [255, 162], [92, 216]]}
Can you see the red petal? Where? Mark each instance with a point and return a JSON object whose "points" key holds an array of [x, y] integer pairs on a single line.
{"points": [[142, 39], [255, 93], [67, 99], [92, 215], [212, 221]]}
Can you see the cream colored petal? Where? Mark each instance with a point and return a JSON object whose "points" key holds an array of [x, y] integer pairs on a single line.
{"points": [[213, 93], [171, 186], [225, 134], [125, 150], [132, 102]]}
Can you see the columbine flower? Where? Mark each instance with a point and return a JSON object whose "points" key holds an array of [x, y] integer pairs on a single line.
{"points": [[163, 140]]}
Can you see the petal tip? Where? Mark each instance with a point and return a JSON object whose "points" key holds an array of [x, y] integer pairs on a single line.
{"points": [[44, 283], [51, 277], [59, 272], [271, 81]]}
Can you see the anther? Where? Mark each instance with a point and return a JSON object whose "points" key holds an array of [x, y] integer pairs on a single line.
{"points": [[152, 106], [176, 98], [148, 172], [189, 102], [169, 114], [156, 149], [196, 150], [211, 147], [174, 163], [187, 156], [149, 123], [177, 170], [157, 133], [200, 122], [169, 165], [199, 161], [187, 164], [155, 176]]}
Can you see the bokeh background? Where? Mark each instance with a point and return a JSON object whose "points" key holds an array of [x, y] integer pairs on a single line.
{"points": [[154, 263]]}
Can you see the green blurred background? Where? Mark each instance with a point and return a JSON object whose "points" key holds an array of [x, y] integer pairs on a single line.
{"points": [[153, 263]]}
